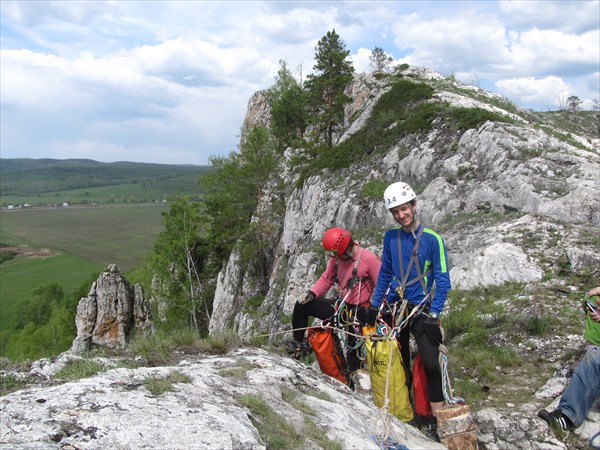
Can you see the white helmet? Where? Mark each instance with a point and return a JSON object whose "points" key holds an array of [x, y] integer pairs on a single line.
{"points": [[398, 194]]}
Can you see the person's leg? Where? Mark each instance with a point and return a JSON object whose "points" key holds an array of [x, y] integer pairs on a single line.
{"points": [[404, 344], [430, 358], [584, 388], [320, 307], [353, 354]]}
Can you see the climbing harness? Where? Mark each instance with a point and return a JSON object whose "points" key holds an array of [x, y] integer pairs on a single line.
{"points": [[404, 274]]}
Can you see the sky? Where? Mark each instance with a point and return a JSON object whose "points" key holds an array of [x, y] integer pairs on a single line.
{"points": [[169, 81]]}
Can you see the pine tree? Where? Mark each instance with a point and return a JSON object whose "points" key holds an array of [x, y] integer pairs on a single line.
{"points": [[288, 107], [332, 73], [379, 60]]}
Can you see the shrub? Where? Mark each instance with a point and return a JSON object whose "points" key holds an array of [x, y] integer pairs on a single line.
{"points": [[77, 369], [374, 189], [273, 428], [158, 386]]}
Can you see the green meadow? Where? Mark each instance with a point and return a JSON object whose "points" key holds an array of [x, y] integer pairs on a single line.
{"points": [[143, 192], [82, 241], [20, 276]]}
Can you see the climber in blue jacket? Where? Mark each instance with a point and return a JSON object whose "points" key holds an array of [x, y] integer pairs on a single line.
{"points": [[414, 258]]}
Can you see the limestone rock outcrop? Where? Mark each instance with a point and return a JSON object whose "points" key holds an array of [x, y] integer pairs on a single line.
{"points": [[215, 402], [112, 308], [510, 199]]}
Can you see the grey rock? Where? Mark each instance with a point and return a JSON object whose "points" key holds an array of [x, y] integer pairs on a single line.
{"points": [[115, 409], [112, 308]]}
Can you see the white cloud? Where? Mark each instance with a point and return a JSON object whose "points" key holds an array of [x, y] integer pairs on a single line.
{"points": [[550, 51], [550, 91], [107, 79], [576, 16]]}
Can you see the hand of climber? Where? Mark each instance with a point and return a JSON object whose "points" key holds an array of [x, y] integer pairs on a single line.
{"points": [[372, 314], [307, 297], [432, 328]]}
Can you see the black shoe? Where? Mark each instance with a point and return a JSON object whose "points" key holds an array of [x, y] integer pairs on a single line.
{"points": [[432, 432], [297, 349], [560, 424]]}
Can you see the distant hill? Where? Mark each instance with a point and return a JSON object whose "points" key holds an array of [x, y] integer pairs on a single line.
{"points": [[23, 176]]}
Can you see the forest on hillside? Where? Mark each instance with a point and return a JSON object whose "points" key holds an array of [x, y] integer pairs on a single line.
{"points": [[22, 176]]}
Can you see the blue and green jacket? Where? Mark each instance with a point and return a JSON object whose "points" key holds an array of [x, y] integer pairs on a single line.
{"points": [[431, 254]]}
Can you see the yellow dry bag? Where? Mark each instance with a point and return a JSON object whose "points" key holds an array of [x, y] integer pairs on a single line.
{"points": [[385, 366]]}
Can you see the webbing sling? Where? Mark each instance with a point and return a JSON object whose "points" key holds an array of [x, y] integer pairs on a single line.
{"points": [[352, 281], [414, 257]]}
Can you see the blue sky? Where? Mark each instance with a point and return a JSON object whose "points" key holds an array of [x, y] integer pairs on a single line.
{"points": [[169, 81]]}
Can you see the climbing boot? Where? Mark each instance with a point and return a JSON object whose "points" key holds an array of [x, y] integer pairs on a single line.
{"points": [[559, 423], [297, 349], [432, 432]]}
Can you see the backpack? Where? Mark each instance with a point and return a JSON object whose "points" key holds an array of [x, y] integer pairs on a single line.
{"points": [[388, 378], [327, 350], [420, 397]]}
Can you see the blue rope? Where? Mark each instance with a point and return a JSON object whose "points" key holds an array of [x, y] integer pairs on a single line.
{"points": [[389, 443], [594, 446]]}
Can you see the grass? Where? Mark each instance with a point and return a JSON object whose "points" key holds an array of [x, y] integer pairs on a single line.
{"points": [[77, 369], [104, 235], [311, 430], [115, 194], [11, 383], [154, 348], [82, 242], [160, 385], [239, 370], [487, 330], [273, 428], [20, 277]]}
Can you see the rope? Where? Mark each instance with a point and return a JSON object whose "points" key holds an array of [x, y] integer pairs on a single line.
{"points": [[594, 446], [446, 386], [387, 439]]}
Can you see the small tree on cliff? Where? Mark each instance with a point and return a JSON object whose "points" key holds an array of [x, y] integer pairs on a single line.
{"points": [[234, 193], [178, 261], [288, 107], [333, 72], [379, 61]]}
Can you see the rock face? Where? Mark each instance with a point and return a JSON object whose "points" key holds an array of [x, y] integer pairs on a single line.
{"points": [[510, 200], [217, 402], [112, 308]]}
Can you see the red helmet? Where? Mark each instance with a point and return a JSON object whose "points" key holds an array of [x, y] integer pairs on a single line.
{"points": [[336, 240]]}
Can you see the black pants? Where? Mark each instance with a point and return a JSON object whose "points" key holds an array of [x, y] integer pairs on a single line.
{"points": [[429, 352], [323, 308]]}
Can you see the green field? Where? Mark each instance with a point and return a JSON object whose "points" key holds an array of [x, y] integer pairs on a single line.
{"points": [[148, 191], [84, 240], [21, 276], [104, 235]]}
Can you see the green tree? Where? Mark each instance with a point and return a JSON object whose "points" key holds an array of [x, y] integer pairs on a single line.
{"points": [[380, 62], [288, 107], [177, 260], [332, 73], [573, 106], [235, 196]]}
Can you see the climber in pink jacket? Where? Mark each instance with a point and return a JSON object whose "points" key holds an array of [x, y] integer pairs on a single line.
{"points": [[353, 271]]}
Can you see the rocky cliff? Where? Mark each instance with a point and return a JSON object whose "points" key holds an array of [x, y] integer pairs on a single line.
{"points": [[511, 198]]}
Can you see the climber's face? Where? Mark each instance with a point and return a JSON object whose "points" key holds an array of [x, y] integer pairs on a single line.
{"points": [[404, 214]]}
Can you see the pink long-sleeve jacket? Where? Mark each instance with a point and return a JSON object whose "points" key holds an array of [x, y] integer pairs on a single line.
{"points": [[367, 273]]}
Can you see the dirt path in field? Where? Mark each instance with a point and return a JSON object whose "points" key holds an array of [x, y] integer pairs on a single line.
{"points": [[29, 252]]}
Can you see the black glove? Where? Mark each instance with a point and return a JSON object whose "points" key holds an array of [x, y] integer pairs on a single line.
{"points": [[433, 331], [308, 297], [372, 314]]}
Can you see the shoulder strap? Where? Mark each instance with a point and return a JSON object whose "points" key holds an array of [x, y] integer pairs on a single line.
{"points": [[413, 260]]}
